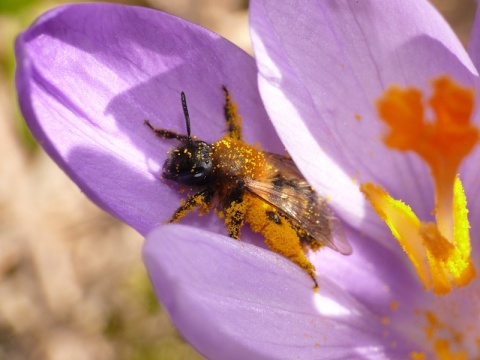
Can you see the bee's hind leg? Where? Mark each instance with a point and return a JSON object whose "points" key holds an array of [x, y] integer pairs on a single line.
{"points": [[315, 283], [282, 237]]}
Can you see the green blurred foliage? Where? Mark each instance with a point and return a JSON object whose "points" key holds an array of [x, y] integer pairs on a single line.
{"points": [[14, 6], [137, 332], [135, 324], [15, 16]]}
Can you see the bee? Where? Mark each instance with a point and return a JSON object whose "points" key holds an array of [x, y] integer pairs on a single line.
{"points": [[246, 185]]}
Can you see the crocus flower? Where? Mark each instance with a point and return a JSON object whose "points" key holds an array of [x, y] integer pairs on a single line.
{"points": [[346, 84]]}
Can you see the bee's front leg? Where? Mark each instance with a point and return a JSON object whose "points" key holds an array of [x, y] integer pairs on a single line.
{"points": [[166, 134], [201, 200]]}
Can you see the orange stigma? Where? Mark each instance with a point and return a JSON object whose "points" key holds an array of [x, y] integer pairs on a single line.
{"points": [[440, 250]]}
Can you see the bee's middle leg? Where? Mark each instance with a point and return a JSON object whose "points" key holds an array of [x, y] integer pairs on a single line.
{"points": [[235, 208], [234, 121]]}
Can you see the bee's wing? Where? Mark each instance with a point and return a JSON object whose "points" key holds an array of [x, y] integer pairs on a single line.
{"points": [[286, 189]]}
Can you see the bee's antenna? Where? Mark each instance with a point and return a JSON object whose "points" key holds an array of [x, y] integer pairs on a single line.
{"points": [[187, 117]]}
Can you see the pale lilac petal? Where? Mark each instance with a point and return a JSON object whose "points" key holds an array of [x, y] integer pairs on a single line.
{"points": [[474, 40], [89, 74], [374, 275], [470, 177], [470, 172], [322, 66], [238, 301]]}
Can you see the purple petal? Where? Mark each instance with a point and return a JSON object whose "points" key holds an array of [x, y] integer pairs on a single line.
{"points": [[322, 66], [237, 301], [89, 74]]}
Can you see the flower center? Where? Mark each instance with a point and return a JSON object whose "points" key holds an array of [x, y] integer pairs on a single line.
{"points": [[440, 251]]}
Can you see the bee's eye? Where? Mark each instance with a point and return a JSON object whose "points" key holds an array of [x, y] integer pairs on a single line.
{"points": [[189, 164]]}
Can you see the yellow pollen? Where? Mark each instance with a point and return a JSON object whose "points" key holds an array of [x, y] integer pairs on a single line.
{"points": [[447, 342], [385, 320], [394, 305], [417, 356], [440, 251]]}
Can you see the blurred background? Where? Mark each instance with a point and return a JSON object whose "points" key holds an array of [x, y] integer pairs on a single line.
{"points": [[72, 282]]}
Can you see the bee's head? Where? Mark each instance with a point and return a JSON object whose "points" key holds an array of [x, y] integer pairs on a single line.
{"points": [[191, 162]]}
